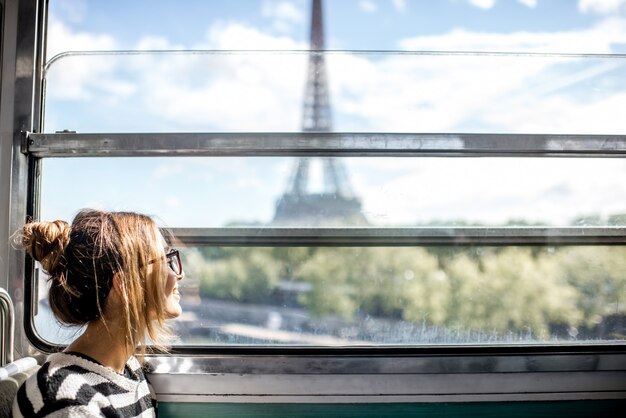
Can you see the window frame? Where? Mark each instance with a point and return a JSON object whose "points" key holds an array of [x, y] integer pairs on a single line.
{"points": [[34, 146], [278, 374]]}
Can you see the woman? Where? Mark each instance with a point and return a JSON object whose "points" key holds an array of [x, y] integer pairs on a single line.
{"points": [[113, 272]]}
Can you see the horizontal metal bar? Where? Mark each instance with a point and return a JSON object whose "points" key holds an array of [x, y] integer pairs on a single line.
{"points": [[377, 399], [395, 365], [318, 144], [210, 378], [372, 384], [379, 384], [400, 236]]}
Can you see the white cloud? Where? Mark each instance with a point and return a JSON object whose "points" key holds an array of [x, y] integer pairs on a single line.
{"points": [[81, 77], [368, 6], [529, 3], [432, 93], [237, 36], [401, 93], [601, 6], [73, 10], [165, 171], [285, 14], [61, 39], [399, 5], [155, 43], [597, 39], [195, 91], [483, 4], [488, 190], [233, 92], [284, 10], [393, 93], [172, 202]]}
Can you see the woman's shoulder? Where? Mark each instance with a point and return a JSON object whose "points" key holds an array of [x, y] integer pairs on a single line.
{"points": [[52, 389], [71, 381], [65, 377]]}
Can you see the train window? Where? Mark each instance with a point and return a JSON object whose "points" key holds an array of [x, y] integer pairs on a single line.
{"points": [[386, 288], [458, 186]]}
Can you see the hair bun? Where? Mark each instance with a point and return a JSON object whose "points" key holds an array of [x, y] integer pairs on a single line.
{"points": [[46, 242]]}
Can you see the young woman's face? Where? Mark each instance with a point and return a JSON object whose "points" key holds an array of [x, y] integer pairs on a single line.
{"points": [[172, 296]]}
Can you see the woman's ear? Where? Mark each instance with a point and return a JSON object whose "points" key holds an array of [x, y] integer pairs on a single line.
{"points": [[117, 285], [118, 289], [115, 300]]}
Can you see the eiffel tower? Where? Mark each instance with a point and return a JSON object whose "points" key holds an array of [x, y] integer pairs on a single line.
{"points": [[336, 205]]}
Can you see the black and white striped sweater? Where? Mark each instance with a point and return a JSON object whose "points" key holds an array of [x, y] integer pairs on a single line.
{"points": [[73, 385]]}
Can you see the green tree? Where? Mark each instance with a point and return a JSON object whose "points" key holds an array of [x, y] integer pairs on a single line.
{"points": [[512, 291], [247, 275], [291, 259], [333, 274], [599, 275], [415, 284]]}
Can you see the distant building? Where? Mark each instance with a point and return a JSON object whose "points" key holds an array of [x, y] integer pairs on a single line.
{"points": [[336, 205]]}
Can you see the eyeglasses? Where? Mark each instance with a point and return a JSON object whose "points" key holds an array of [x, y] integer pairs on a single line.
{"points": [[174, 262]]}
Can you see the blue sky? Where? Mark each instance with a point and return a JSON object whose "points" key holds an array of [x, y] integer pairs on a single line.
{"points": [[381, 93], [350, 24]]}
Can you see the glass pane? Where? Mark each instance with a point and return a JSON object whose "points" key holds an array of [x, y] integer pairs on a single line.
{"points": [[401, 295], [372, 295], [202, 91], [381, 192], [359, 295]]}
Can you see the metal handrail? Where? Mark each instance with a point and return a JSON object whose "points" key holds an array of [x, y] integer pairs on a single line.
{"points": [[8, 328], [321, 144], [408, 236]]}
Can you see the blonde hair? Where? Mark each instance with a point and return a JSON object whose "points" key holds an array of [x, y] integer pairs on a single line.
{"points": [[82, 260]]}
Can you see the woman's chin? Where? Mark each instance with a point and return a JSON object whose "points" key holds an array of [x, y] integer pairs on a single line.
{"points": [[172, 307], [173, 310]]}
